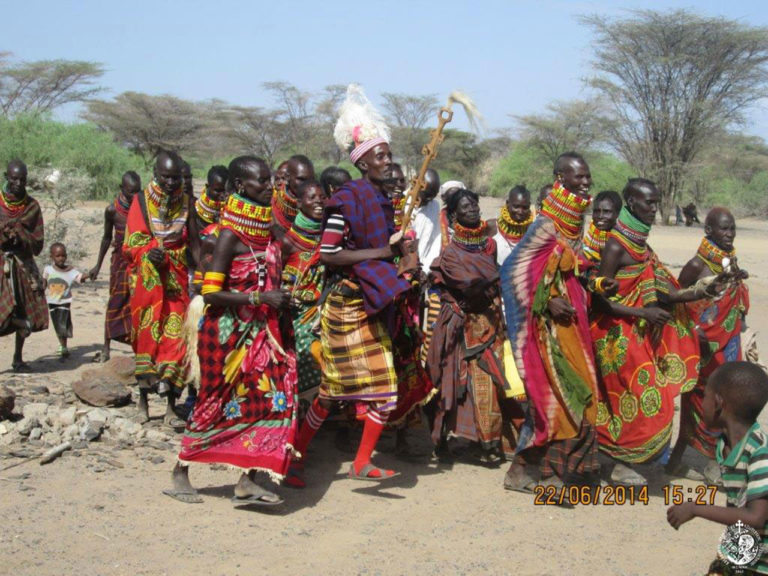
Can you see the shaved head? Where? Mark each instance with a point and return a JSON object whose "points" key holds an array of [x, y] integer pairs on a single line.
{"points": [[714, 215]]}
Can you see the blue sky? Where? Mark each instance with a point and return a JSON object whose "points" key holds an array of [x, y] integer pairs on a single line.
{"points": [[511, 56]]}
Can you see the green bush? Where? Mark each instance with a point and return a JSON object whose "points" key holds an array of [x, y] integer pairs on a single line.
{"points": [[44, 143]]}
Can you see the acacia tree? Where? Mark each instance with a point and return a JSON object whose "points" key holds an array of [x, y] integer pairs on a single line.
{"points": [[148, 124], [292, 109], [254, 130], [673, 79], [572, 125], [42, 86], [409, 115]]}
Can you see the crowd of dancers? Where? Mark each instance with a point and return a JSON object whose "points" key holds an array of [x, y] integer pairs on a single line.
{"points": [[273, 298]]}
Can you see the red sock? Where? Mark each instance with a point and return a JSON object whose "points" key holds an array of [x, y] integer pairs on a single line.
{"points": [[314, 419], [374, 425]]}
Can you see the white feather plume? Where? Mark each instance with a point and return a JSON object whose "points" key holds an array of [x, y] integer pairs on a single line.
{"points": [[470, 109], [357, 111]]}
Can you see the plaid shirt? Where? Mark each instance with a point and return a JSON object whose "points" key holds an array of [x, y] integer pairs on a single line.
{"points": [[371, 221]]}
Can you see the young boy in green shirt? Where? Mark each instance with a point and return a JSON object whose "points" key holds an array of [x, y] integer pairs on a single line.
{"points": [[734, 396]]}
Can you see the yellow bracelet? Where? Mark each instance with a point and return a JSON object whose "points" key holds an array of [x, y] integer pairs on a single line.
{"points": [[213, 282]]}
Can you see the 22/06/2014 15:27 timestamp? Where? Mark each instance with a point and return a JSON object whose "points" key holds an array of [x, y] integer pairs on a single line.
{"points": [[700, 494]]}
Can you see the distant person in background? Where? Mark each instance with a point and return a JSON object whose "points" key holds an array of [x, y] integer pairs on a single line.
{"points": [[117, 325], [58, 278], [332, 178], [678, 215], [543, 193], [432, 304], [720, 322], [22, 301], [513, 221], [280, 176], [187, 179], [447, 190], [284, 204], [691, 214], [394, 188], [426, 221], [204, 220]]}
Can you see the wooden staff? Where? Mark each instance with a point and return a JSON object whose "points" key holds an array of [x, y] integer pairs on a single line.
{"points": [[444, 115]]}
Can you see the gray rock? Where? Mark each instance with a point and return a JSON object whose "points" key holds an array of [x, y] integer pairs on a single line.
{"points": [[38, 410], [157, 436], [98, 387], [67, 416], [36, 434], [100, 416], [89, 431], [42, 390], [26, 425], [7, 402], [71, 432]]}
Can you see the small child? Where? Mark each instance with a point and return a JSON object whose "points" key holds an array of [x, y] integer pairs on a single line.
{"points": [[735, 394], [58, 279]]}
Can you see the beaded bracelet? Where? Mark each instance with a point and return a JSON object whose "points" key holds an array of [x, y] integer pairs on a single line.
{"points": [[213, 282]]}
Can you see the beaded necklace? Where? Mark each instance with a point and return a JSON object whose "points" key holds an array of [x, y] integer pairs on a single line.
{"points": [[305, 233], [594, 242], [510, 229], [631, 234], [713, 256], [12, 207], [471, 239], [398, 204], [566, 210], [122, 203], [284, 207], [161, 205], [249, 221], [207, 208]]}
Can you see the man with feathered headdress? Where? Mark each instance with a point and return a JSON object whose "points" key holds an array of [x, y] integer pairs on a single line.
{"points": [[357, 317]]}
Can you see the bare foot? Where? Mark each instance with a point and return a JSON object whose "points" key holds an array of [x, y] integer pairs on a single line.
{"points": [[142, 412], [519, 480], [247, 490], [182, 490], [623, 474]]}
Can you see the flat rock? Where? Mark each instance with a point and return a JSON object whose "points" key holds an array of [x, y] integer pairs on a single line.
{"points": [[99, 387], [37, 410], [124, 367], [7, 402], [67, 416]]}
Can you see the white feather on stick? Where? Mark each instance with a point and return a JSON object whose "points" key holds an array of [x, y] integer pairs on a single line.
{"points": [[470, 109]]}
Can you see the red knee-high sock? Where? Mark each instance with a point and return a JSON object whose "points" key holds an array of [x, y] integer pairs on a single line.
{"points": [[374, 425], [314, 419]]}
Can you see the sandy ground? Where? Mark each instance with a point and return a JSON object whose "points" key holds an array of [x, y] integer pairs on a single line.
{"points": [[81, 516]]}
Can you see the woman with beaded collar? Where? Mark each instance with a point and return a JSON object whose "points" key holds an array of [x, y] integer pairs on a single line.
{"points": [[720, 323], [466, 350], [245, 411], [646, 348]]}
